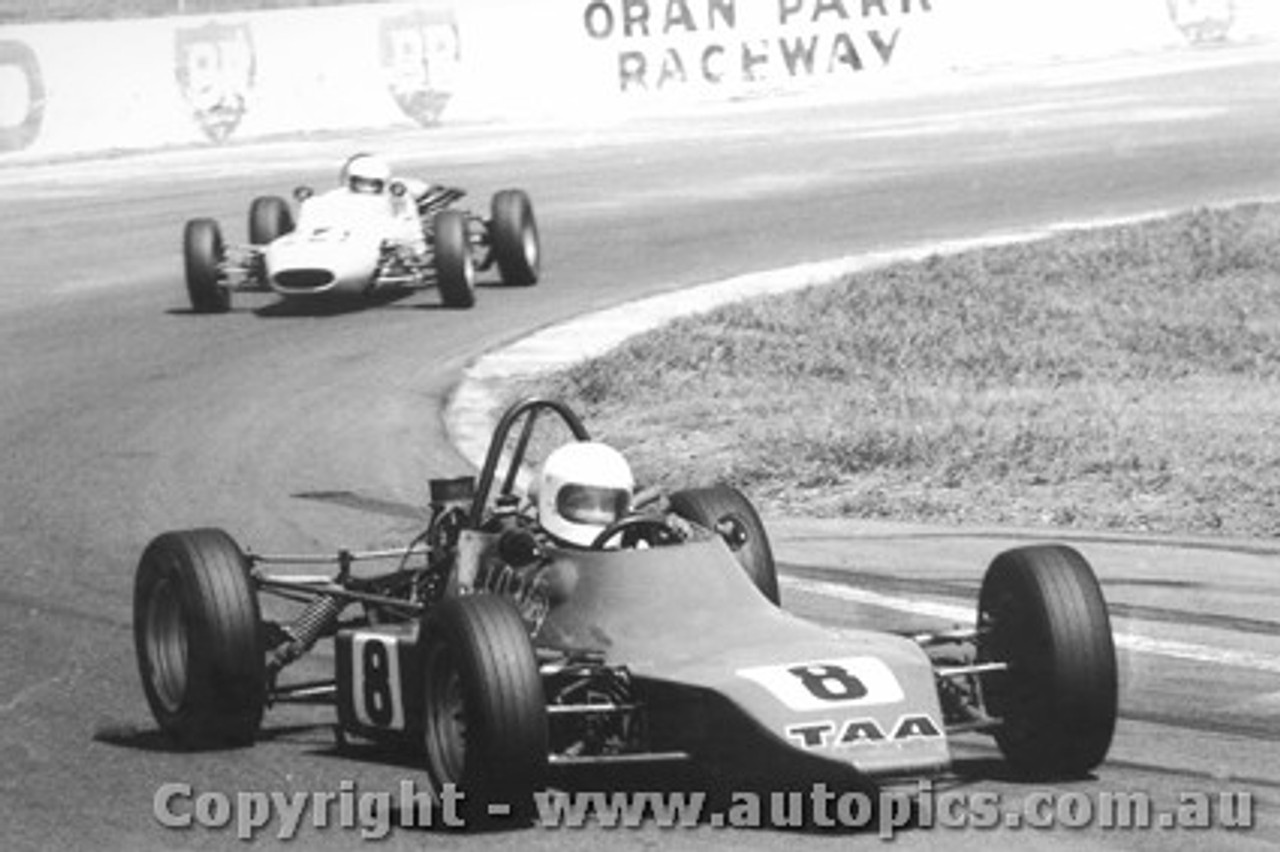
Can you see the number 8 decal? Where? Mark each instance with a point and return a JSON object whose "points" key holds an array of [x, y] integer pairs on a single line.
{"points": [[830, 683], [375, 682], [824, 684]]}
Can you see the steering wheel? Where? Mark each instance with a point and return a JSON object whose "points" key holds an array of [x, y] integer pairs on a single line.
{"points": [[637, 528]]}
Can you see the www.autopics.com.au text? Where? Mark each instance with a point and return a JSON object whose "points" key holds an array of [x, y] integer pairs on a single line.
{"points": [[374, 814]]}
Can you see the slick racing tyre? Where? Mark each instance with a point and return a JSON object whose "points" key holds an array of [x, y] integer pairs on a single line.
{"points": [[203, 253], [1041, 612], [269, 219], [198, 637], [726, 510], [455, 268], [514, 234], [485, 715]]}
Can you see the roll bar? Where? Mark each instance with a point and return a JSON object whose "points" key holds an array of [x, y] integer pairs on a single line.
{"points": [[530, 409]]}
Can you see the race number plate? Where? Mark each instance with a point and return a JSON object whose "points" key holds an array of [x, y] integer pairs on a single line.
{"points": [[828, 684], [372, 687]]}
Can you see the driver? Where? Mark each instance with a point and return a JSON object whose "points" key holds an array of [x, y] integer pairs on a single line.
{"points": [[582, 488], [366, 174]]}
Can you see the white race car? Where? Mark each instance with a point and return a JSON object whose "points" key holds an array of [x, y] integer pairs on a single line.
{"points": [[372, 233]]}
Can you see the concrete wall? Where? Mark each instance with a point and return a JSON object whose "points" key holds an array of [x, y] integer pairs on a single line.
{"points": [[97, 87]]}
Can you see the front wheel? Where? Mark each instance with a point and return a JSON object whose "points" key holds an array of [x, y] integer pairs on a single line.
{"points": [[1041, 612], [198, 637], [514, 234], [269, 219], [727, 511], [455, 268], [485, 715], [203, 254]]}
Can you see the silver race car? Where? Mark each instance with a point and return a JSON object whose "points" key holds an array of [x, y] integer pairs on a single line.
{"points": [[373, 233]]}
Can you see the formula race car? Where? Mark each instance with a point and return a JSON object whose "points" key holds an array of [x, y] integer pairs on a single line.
{"points": [[372, 233], [496, 651]]}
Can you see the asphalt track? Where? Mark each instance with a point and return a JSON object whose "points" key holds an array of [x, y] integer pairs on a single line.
{"points": [[123, 415]]}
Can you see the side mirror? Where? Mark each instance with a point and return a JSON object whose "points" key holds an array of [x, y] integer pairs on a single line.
{"points": [[302, 193], [398, 189]]}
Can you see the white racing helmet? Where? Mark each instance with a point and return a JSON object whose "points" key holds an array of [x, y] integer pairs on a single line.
{"points": [[583, 487], [366, 173]]}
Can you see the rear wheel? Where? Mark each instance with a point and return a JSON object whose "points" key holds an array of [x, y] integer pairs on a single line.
{"points": [[727, 510], [203, 254], [269, 219], [455, 268], [1042, 613], [198, 638], [485, 716], [514, 233]]}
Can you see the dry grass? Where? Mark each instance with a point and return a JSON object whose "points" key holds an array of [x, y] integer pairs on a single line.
{"points": [[1127, 378]]}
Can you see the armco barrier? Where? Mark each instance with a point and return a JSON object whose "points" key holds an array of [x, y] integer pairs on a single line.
{"points": [[92, 87]]}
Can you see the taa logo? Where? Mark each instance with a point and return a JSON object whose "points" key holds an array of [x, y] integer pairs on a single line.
{"points": [[215, 68], [22, 96], [421, 52], [855, 732]]}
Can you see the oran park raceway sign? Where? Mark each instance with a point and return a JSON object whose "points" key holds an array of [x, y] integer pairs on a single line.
{"points": [[665, 44]]}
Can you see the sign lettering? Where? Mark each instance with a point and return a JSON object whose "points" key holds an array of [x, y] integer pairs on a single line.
{"points": [[669, 44]]}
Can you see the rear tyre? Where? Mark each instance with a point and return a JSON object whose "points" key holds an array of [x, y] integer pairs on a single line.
{"points": [[514, 233], [269, 219], [485, 715], [727, 510], [198, 638], [203, 253], [1041, 611], [455, 268]]}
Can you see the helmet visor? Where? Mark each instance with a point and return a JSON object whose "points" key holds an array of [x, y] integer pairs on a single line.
{"points": [[365, 184], [592, 504]]}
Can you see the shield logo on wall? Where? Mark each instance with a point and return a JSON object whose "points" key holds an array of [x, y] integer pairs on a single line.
{"points": [[215, 67], [1203, 20], [421, 54]]}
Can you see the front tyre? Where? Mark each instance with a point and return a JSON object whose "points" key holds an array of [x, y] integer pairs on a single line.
{"points": [[455, 268], [269, 219], [203, 254], [1041, 612], [727, 511], [198, 637], [514, 235], [485, 715]]}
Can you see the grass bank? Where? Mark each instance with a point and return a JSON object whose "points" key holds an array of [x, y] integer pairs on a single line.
{"points": [[1125, 378]]}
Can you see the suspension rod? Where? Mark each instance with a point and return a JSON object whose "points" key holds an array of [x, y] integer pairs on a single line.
{"points": [[344, 593], [322, 559], [558, 709], [974, 668], [944, 637]]}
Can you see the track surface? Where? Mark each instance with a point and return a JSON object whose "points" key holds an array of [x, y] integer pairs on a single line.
{"points": [[123, 416]]}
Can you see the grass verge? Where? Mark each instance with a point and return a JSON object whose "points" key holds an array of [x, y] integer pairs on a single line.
{"points": [[1125, 378]]}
